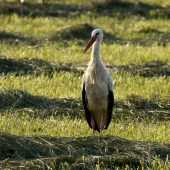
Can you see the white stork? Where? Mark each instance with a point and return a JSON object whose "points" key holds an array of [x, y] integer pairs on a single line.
{"points": [[97, 88]]}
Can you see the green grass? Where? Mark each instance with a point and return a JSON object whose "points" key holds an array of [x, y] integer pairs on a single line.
{"points": [[128, 27], [65, 127], [40, 91], [68, 85], [110, 53], [60, 85]]}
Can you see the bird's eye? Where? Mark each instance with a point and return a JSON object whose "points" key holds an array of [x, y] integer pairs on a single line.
{"points": [[97, 34]]}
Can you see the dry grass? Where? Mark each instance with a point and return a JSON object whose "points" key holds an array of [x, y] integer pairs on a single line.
{"points": [[35, 66], [85, 152], [133, 106]]}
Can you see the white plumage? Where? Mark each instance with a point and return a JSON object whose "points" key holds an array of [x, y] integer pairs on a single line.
{"points": [[97, 89]]}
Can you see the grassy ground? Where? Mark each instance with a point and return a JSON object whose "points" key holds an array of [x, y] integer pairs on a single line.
{"points": [[41, 65]]}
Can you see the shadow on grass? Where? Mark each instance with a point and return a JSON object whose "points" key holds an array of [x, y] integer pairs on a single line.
{"points": [[69, 33], [33, 66], [116, 8], [74, 32], [150, 68], [107, 150], [17, 99], [133, 106], [7, 37], [39, 106], [124, 9], [81, 33]]}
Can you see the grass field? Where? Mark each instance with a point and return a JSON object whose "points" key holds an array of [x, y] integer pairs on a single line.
{"points": [[42, 124]]}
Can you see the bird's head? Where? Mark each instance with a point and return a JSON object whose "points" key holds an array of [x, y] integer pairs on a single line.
{"points": [[96, 35]]}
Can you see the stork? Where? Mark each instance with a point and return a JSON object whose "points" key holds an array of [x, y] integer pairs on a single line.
{"points": [[97, 87]]}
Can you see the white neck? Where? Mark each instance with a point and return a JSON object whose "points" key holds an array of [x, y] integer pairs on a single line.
{"points": [[95, 55]]}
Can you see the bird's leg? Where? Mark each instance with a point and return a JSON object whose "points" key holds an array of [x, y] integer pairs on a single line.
{"points": [[92, 121], [102, 124]]}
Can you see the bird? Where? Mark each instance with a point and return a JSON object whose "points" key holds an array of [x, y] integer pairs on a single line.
{"points": [[97, 87]]}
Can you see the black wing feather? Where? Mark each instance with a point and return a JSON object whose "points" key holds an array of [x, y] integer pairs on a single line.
{"points": [[110, 107], [87, 111]]}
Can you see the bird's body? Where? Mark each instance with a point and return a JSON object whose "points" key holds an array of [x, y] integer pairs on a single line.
{"points": [[97, 90]]}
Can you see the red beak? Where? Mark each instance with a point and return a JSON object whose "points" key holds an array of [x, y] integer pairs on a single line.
{"points": [[92, 40]]}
